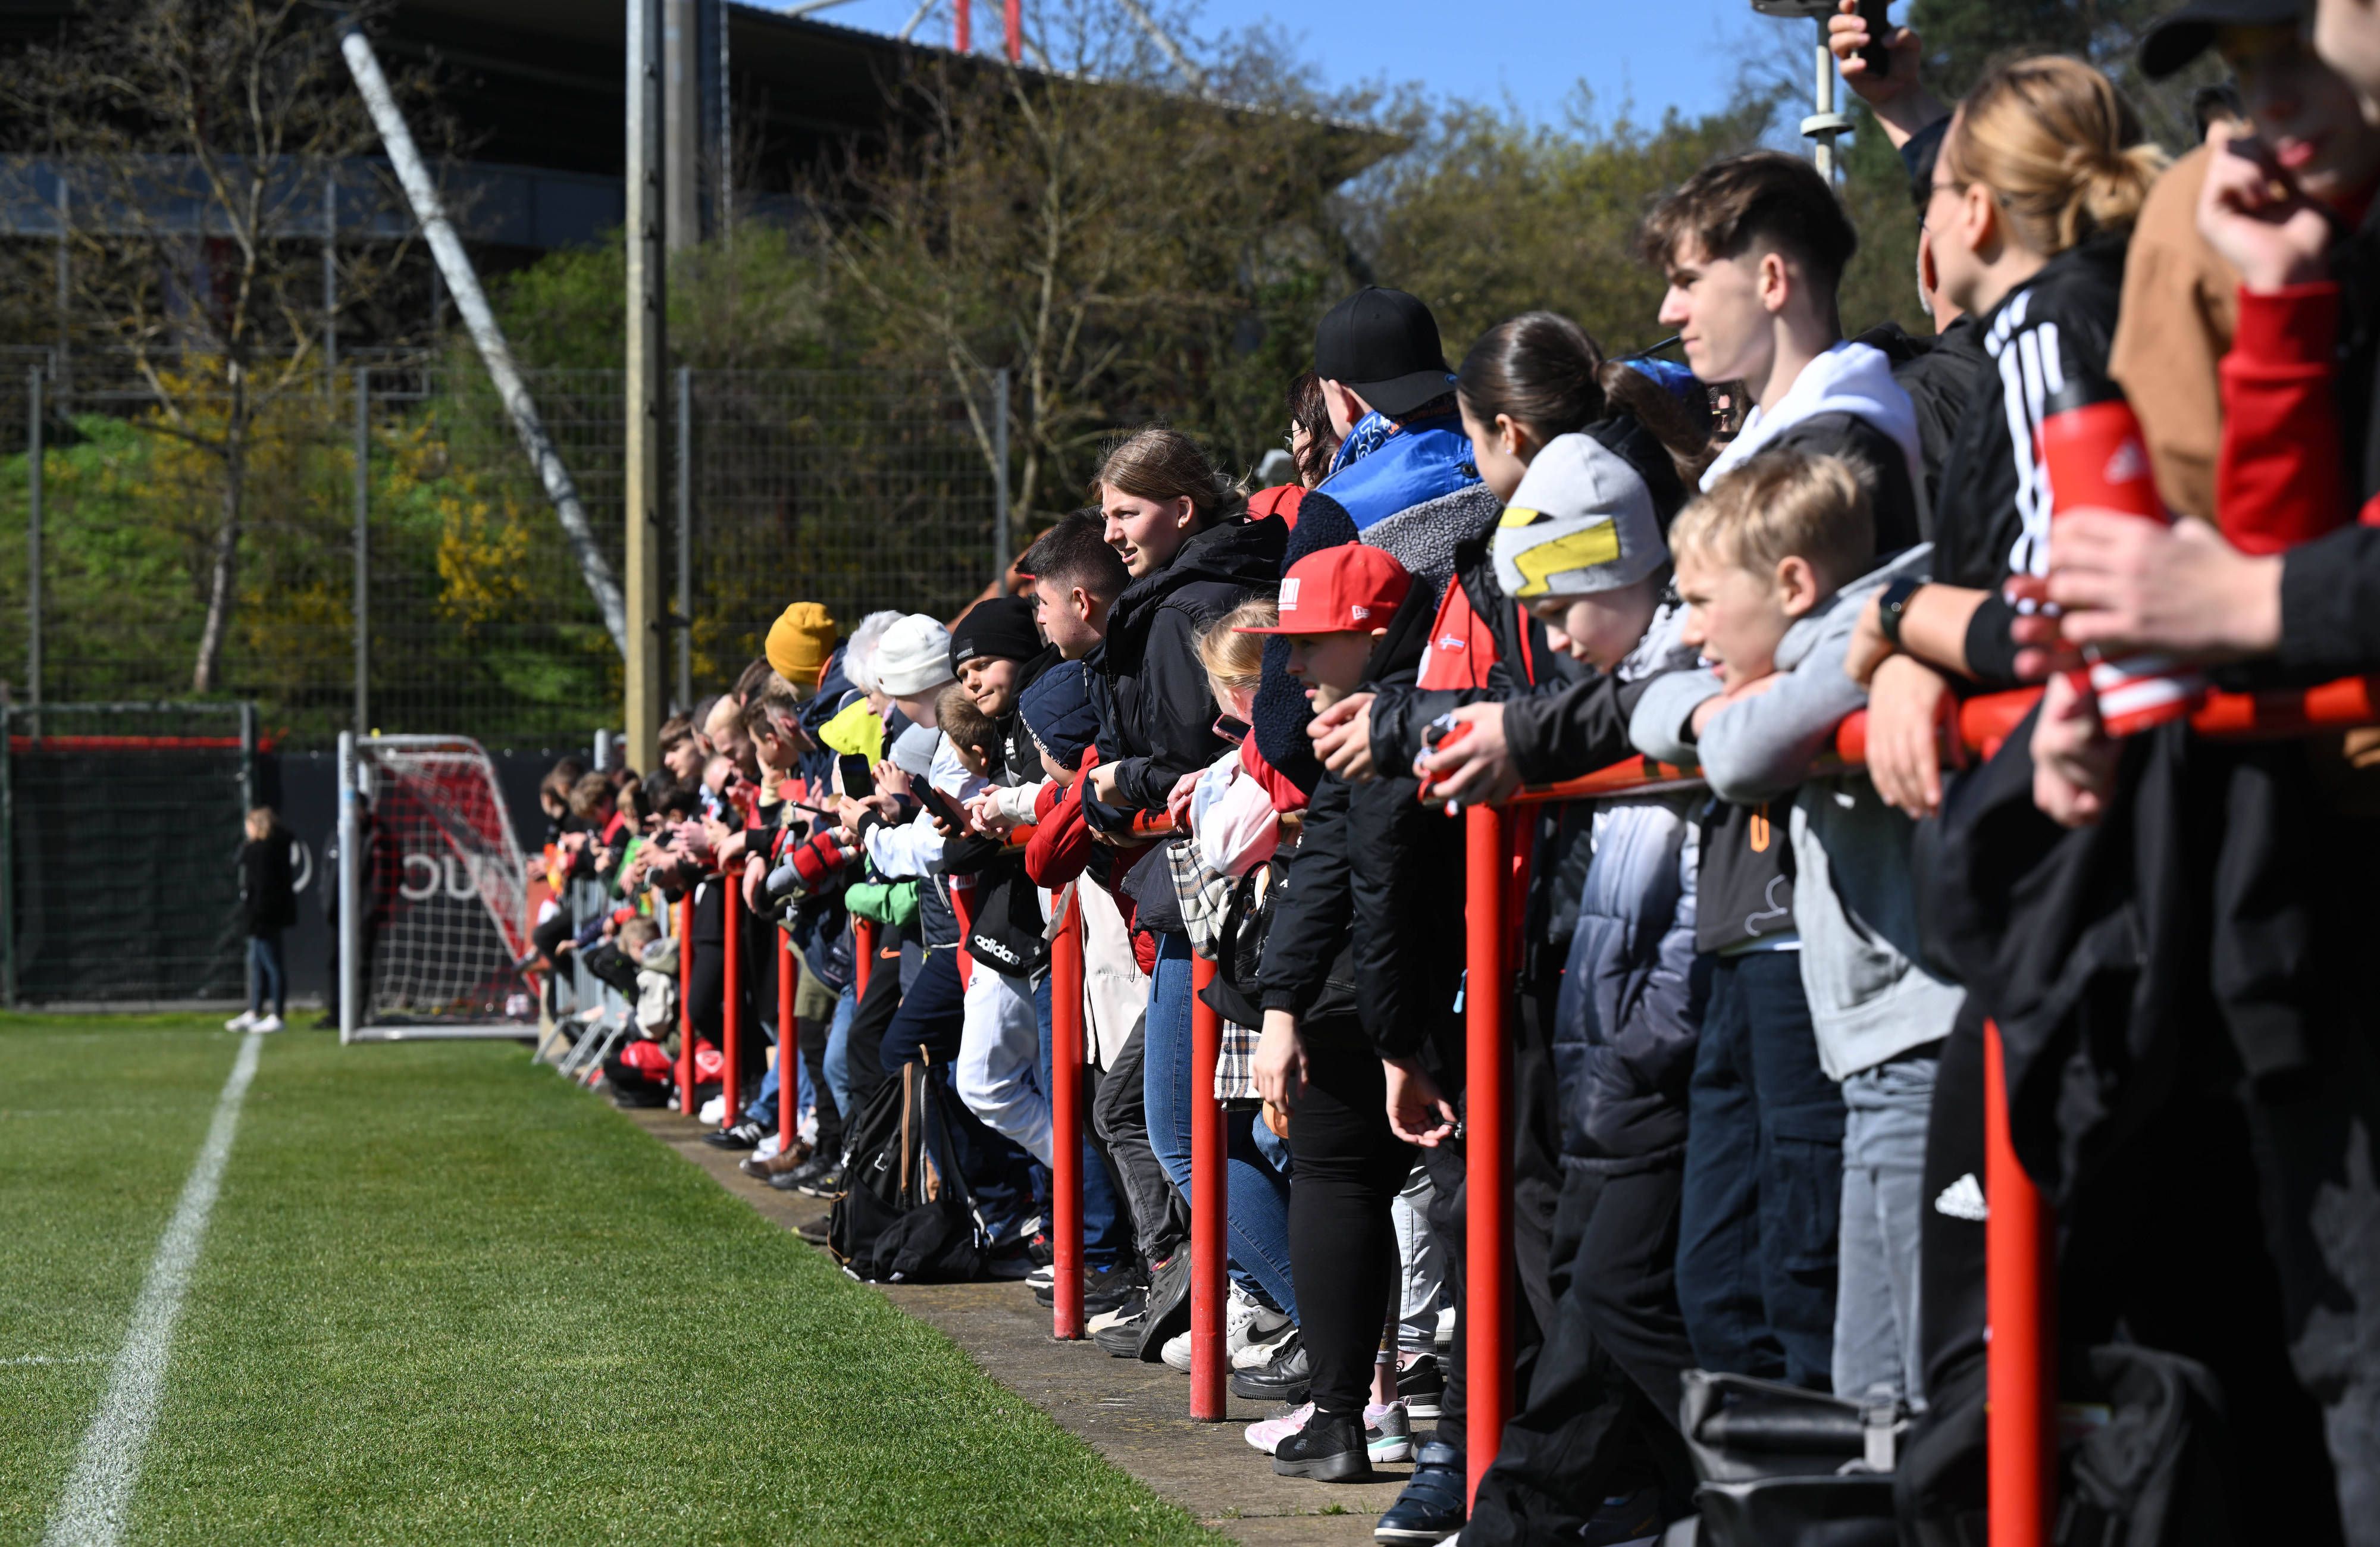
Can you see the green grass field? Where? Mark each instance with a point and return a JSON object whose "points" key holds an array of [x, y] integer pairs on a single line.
{"points": [[446, 1298]]}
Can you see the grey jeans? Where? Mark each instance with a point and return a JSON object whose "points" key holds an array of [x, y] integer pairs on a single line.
{"points": [[1884, 1165]]}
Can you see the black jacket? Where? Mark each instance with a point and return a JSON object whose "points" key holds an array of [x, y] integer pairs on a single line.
{"points": [[1307, 964], [1157, 713], [268, 892], [1939, 374], [1993, 518]]}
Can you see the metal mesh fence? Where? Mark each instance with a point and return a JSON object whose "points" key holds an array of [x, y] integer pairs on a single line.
{"points": [[860, 490], [122, 832]]}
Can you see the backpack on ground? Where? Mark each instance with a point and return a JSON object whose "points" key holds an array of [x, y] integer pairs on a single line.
{"points": [[905, 1216], [1781, 1466]]}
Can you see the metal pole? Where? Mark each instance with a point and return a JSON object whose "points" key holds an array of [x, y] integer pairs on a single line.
{"points": [[1487, 1150], [9, 855], [789, 1043], [363, 552], [350, 985], [1066, 1122], [863, 954], [33, 459], [1012, 25], [647, 351], [494, 352], [1209, 1203], [1826, 103], [681, 64], [330, 284], [602, 751], [731, 993], [247, 756], [999, 559], [2020, 1359], [685, 1004], [683, 626], [64, 271]]}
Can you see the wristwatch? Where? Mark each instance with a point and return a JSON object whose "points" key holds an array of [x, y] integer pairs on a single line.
{"points": [[1894, 603]]}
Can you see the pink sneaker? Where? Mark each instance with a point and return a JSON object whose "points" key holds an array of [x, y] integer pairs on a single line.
{"points": [[1268, 1435]]}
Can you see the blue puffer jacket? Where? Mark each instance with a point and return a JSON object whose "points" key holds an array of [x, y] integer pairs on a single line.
{"points": [[1633, 990]]}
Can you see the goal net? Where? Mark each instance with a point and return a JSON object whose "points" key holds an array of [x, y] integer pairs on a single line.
{"points": [[433, 894]]}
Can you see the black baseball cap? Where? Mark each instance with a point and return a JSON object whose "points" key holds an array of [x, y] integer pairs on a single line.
{"points": [[1384, 343], [2190, 32]]}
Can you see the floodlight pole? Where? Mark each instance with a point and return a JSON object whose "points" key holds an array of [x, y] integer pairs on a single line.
{"points": [[1822, 126], [646, 345]]}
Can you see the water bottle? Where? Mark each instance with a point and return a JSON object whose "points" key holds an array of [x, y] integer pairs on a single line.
{"points": [[2096, 458]]}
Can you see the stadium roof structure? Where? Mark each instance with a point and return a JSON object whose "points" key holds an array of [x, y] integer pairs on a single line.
{"points": [[536, 90]]}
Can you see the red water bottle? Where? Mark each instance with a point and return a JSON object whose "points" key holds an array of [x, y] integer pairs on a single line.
{"points": [[2096, 458]]}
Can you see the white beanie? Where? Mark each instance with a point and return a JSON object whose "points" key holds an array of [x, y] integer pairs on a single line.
{"points": [[914, 656], [1580, 521]]}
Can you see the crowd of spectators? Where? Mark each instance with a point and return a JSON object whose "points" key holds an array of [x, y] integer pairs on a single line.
{"points": [[1749, 1018]]}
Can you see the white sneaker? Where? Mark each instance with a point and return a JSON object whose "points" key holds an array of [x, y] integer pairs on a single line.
{"points": [[1387, 1432], [1262, 1351], [1244, 1322], [767, 1148], [712, 1110], [241, 1021], [269, 1023]]}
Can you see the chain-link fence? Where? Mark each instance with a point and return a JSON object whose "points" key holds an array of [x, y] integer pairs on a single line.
{"points": [[860, 490]]}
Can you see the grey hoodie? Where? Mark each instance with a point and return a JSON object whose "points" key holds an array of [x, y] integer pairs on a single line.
{"points": [[1855, 898]]}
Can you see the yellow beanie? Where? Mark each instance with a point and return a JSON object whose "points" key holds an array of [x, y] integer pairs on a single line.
{"points": [[800, 643]]}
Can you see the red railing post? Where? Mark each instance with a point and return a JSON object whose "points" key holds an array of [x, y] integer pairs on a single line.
{"points": [[731, 996], [1207, 1203], [1012, 31], [789, 1043], [1066, 1122], [863, 954], [962, 27], [2020, 1361], [1486, 1145], [685, 1004]]}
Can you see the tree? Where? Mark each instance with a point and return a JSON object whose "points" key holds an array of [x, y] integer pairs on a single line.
{"points": [[201, 139]]}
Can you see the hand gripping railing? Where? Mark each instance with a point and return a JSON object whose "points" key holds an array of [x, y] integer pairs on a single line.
{"points": [[2019, 1229]]}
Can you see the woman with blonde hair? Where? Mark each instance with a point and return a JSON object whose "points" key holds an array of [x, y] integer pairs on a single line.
{"points": [[2035, 193]]}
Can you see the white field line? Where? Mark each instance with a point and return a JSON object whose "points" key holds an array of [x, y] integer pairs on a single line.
{"points": [[99, 1493]]}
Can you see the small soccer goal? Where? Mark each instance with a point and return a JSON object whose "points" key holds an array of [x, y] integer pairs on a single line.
{"points": [[433, 894]]}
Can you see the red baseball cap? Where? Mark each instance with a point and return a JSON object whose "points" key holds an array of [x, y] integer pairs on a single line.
{"points": [[1336, 590]]}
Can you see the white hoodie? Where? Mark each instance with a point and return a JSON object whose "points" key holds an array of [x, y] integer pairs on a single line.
{"points": [[1848, 378]]}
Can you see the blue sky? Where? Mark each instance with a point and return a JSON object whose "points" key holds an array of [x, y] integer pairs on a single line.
{"points": [[1655, 53]]}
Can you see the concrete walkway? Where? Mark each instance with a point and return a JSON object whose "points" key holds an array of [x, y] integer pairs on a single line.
{"points": [[1133, 1414]]}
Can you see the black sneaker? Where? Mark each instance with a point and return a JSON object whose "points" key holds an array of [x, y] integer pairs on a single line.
{"points": [[1121, 1340], [745, 1135], [1330, 1448], [815, 1231], [1431, 1507], [1007, 1264], [1101, 1290], [825, 1182], [1421, 1385], [1628, 1519], [1169, 1305], [1287, 1379]]}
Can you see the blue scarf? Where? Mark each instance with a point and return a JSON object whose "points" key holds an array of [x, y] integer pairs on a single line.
{"points": [[1384, 467]]}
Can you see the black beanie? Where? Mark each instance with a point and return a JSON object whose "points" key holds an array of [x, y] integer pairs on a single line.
{"points": [[1002, 629]]}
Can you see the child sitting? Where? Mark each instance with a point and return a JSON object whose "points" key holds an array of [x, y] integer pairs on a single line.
{"points": [[1770, 565]]}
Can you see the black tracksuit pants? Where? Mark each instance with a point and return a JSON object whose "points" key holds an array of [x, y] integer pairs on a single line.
{"points": [[1600, 1414], [1349, 1167]]}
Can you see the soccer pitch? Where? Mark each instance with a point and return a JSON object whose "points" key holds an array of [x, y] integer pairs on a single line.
{"points": [[443, 1297]]}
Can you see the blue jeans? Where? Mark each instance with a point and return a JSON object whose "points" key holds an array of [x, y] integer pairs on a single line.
{"points": [[763, 1109], [838, 1054], [1760, 1211], [1107, 1229], [265, 978], [1258, 1193]]}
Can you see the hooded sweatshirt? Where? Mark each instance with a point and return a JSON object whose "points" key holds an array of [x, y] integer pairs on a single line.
{"points": [[1871, 996], [1845, 403]]}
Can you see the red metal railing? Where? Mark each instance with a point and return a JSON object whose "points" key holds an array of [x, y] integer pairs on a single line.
{"points": [[730, 991], [1209, 1203], [789, 1041], [2019, 1296], [685, 1004], [1066, 1123]]}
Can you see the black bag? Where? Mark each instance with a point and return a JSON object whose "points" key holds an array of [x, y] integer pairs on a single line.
{"points": [[1235, 992], [1781, 1466], [2151, 1474], [1005, 933], [610, 964], [905, 1216]]}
